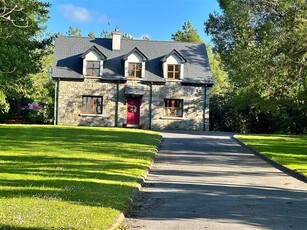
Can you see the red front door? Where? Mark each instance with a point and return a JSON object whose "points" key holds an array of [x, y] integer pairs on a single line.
{"points": [[133, 111]]}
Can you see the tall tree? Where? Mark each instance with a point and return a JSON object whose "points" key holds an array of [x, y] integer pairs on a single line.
{"points": [[20, 22], [221, 82], [74, 31], [106, 34], [145, 37], [127, 36], [221, 118], [91, 34], [42, 92], [263, 46], [187, 34]]}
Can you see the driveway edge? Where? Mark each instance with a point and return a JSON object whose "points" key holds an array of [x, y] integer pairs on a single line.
{"points": [[120, 218], [282, 168]]}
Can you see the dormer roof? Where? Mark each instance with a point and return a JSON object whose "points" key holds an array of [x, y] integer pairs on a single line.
{"points": [[95, 49], [135, 50], [174, 52]]}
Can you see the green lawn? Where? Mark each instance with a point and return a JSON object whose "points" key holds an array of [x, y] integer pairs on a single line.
{"points": [[288, 150], [54, 177]]}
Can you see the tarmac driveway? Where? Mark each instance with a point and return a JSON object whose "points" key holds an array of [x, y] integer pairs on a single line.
{"points": [[205, 180]]}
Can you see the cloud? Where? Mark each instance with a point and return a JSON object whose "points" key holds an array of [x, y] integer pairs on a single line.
{"points": [[100, 17], [74, 13], [81, 14]]}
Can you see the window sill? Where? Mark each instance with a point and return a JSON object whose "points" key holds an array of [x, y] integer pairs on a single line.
{"points": [[171, 118], [92, 77], [90, 115]]}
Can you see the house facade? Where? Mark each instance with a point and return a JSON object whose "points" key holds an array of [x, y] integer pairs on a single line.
{"points": [[131, 83]]}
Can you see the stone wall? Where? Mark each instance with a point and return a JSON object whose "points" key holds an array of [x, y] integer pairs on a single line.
{"points": [[192, 106], [70, 103]]}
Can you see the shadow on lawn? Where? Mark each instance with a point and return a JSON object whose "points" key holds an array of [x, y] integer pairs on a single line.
{"points": [[96, 183], [9, 227], [81, 178]]}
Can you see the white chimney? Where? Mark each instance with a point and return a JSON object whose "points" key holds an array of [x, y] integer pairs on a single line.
{"points": [[116, 40]]}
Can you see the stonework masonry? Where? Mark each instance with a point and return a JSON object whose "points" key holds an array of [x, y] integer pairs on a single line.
{"points": [[70, 104]]}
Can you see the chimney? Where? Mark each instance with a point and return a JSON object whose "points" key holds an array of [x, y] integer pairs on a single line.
{"points": [[116, 40]]}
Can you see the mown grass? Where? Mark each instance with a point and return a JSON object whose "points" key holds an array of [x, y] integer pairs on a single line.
{"points": [[55, 177], [288, 150]]}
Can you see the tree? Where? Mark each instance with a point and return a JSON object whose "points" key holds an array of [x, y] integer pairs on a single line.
{"points": [[106, 34], [91, 34], [220, 117], [4, 107], [42, 92], [74, 31], [263, 48], [187, 34], [23, 15], [20, 23], [127, 36], [145, 37], [221, 82]]}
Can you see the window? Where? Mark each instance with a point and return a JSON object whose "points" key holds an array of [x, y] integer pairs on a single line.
{"points": [[135, 70], [92, 68], [173, 108], [92, 105], [173, 72]]}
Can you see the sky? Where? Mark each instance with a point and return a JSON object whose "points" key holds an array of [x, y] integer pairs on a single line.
{"points": [[156, 19]]}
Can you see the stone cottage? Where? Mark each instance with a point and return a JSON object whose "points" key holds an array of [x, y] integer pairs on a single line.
{"points": [[131, 83]]}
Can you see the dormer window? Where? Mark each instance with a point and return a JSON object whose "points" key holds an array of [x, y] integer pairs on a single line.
{"points": [[173, 66], [173, 72], [135, 70], [135, 64], [93, 62], [92, 68]]}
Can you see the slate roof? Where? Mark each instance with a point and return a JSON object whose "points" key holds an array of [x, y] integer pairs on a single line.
{"points": [[164, 59], [68, 61], [94, 48], [135, 50]]}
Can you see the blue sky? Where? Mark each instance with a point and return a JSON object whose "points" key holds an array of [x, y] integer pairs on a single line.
{"points": [[157, 19]]}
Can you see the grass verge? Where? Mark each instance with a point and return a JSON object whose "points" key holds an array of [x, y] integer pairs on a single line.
{"points": [[54, 177], [287, 150]]}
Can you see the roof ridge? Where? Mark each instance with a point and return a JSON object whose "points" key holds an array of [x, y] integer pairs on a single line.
{"points": [[132, 40], [163, 41]]}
